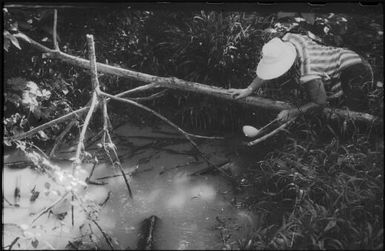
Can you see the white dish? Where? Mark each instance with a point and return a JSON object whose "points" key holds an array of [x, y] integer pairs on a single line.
{"points": [[250, 131]]}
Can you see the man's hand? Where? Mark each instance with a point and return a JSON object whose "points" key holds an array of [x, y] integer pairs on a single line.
{"points": [[240, 93], [287, 115]]}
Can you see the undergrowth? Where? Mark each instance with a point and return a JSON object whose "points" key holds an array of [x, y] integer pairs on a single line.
{"points": [[319, 190]]}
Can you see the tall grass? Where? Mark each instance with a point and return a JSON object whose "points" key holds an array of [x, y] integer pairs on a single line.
{"points": [[319, 191]]}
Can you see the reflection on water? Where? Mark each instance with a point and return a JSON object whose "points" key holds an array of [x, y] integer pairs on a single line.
{"points": [[188, 207]]}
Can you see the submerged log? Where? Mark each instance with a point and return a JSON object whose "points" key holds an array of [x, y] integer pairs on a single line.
{"points": [[175, 83], [147, 231]]}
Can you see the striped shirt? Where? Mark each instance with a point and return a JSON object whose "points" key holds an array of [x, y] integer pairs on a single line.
{"points": [[320, 61]]}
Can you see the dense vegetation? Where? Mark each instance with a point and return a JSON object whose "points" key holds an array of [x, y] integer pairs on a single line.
{"points": [[319, 187]]}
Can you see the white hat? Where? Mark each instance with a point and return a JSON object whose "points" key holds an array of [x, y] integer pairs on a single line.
{"points": [[277, 59]]}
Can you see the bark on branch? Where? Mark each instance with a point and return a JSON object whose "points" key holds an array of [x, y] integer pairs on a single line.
{"points": [[179, 84]]}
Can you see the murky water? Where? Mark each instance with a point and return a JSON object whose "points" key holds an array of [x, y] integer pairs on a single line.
{"points": [[192, 209]]}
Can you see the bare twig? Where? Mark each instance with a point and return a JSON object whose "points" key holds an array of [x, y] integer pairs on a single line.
{"points": [[208, 169], [107, 198], [12, 243], [41, 151], [94, 101], [93, 139], [93, 182], [55, 43], [139, 88], [280, 128], [59, 139], [151, 97], [49, 207], [127, 173], [94, 72], [125, 180], [48, 124], [80, 146], [95, 87], [96, 183], [5, 199], [115, 161], [106, 237]]}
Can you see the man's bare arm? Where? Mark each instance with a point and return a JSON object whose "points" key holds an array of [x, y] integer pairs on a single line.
{"points": [[241, 93], [318, 100]]}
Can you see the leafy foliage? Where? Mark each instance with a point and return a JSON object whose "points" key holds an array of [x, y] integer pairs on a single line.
{"points": [[319, 192]]}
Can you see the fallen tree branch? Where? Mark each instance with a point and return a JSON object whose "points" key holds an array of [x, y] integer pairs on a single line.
{"points": [[175, 83]]}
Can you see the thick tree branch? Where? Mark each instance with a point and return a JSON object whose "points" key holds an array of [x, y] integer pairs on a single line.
{"points": [[175, 83]]}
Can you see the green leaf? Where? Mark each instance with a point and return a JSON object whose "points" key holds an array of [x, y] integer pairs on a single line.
{"points": [[7, 143], [330, 225], [15, 42], [24, 36], [43, 136], [7, 43]]}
